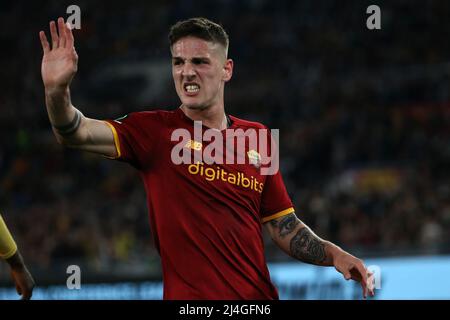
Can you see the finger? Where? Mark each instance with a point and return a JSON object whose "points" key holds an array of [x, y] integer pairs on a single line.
{"points": [[364, 289], [44, 42], [69, 35], [55, 38], [370, 280], [363, 283], [62, 33], [363, 272], [371, 284], [27, 295]]}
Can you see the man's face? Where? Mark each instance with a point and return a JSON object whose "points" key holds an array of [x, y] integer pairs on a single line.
{"points": [[200, 69]]}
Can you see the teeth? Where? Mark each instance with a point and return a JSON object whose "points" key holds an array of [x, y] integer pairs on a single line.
{"points": [[192, 88]]}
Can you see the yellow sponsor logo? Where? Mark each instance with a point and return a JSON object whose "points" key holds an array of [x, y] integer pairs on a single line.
{"points": [[218, 173], [193, 145]]}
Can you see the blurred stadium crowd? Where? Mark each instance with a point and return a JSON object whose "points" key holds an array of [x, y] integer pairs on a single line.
{"points": [[363, 118]]}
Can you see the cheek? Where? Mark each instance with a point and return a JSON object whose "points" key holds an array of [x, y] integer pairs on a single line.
{"points": [[176, 77], [215, 77]]}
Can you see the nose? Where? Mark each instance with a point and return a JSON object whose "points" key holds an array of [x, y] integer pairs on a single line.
{"points": [[188, 70]]}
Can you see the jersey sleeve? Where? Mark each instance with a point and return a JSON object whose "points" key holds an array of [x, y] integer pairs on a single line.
{"points": [[275, 201], [136, 136], [8, 246]]}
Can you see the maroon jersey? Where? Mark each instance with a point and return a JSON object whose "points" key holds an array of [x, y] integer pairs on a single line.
{"points": [[206, 220]]}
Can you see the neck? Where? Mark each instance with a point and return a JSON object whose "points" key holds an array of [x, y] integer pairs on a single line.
{"points": [[211, 117]]}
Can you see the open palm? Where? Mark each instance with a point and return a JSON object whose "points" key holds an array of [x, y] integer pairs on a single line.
{"points": [[59, 63]]}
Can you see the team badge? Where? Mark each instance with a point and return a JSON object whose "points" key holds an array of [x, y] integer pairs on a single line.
{"points": [[254, 157]]}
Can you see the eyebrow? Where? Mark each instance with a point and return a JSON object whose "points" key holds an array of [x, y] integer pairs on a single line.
{"points": [[193, 58]]}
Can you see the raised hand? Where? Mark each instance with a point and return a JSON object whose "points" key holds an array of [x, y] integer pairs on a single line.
{"points": [[59, 63]]}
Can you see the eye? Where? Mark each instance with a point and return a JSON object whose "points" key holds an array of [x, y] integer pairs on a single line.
{"points": [[177, 62], [199, 61]]}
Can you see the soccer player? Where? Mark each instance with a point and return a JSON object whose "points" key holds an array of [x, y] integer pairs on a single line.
{"points": [[206, 222], [8, 251]]}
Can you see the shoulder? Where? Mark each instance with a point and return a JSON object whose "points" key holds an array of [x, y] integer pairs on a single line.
{"points": [[245, 124], [146, 116]]}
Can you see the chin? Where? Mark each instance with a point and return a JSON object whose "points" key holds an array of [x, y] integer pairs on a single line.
{"points": [[194, 105]]}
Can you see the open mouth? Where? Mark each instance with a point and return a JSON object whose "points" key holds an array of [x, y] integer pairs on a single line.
{"points": [[191, 88]]}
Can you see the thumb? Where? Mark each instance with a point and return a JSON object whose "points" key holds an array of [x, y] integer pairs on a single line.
{"points": [[347, 275], [19, 290]]}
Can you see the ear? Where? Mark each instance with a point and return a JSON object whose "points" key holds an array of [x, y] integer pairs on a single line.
{"points": [[227, 70]]}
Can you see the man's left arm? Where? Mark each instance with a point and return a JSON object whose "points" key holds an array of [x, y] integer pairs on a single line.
{"points": [[300, 242]]}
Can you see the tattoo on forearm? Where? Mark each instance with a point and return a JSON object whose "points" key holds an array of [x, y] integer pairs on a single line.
{"points": [[274, 223], [306, 247], [72, 127], [286, 225]]}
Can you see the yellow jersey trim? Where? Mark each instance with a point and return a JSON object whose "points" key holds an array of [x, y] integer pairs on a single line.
{"points": [[116, 139], [279, 214], [10, 254], [8, 246]]}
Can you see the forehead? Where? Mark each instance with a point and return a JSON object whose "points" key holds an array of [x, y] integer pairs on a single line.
{"points": [[191, 46]]}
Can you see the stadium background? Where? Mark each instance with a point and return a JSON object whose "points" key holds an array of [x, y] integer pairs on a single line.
{"points": [[364, 119]]}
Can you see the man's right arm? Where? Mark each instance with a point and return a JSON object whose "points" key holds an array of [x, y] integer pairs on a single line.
{"points": [[71, 127]]}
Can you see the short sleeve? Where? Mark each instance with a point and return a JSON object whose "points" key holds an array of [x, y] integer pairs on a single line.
{"points": [[136, 136], [275, 201]]}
